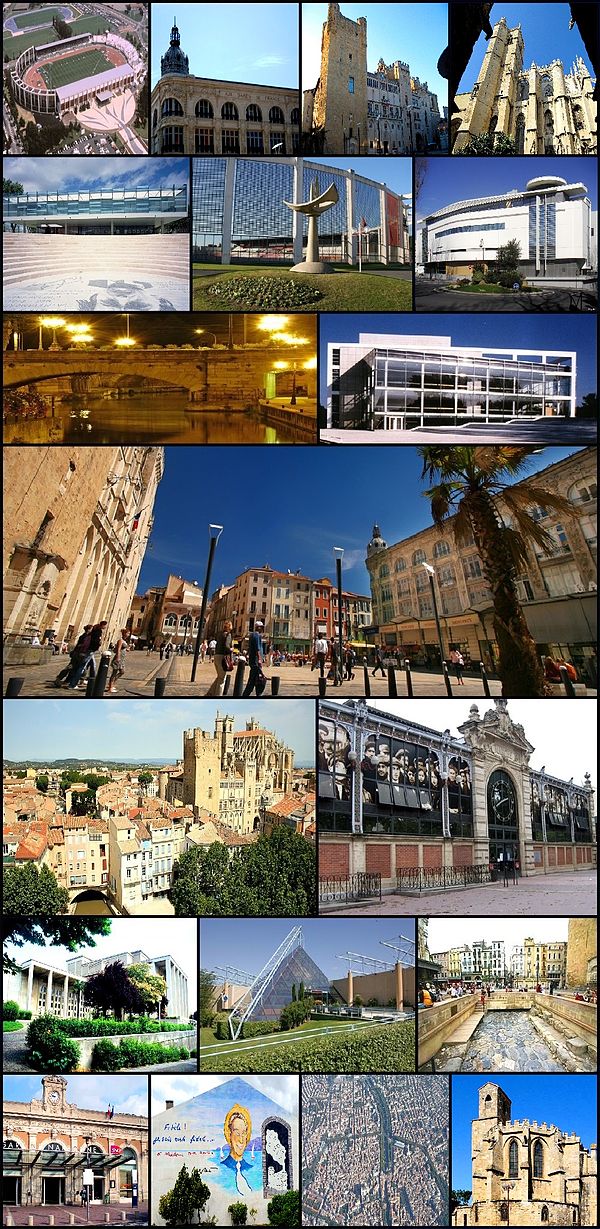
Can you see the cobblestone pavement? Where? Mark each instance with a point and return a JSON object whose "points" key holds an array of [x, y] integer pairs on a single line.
{"points": [[142, 669], [505, 1041], [76, 1215], [556, 895]]}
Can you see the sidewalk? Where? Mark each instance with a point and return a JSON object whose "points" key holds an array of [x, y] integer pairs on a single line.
{"points": [[556, 895], [76, 1215]]}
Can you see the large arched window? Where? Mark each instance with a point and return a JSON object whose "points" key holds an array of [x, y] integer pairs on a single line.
{"points": [[547, 87], [493, 124], [400, 565], [276, 116], [520, 135], [254, 113], [204, 109], [170, 621], [295, 116], [384, 571], [419, 556], [513, 1159], [440, 549], [229, 111], [538, 1159], [171, 106]]}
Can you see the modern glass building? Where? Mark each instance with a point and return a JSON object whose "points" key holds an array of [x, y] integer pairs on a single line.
{"points": [[551, 220], [105, 211], [239, 213], [393, 383]]}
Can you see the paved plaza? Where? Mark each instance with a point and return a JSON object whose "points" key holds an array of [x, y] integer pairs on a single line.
{"points": [[503, 1041], [438, 297], [561, 894], [76, 1215]]}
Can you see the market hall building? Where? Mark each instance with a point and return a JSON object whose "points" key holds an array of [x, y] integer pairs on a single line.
{"points": [[420, 807], [48, 1142]]}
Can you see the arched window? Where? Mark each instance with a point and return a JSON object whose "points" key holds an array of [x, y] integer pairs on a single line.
{"points": [[254, 113], [547, 87], [185, 621], [276, 116], [384, 571], [538, 1159], [441, 548], [171, 106], [578, 117], [520, 135], [523, 91], [170, 621], [154, 118], [400, 565], [229, 111], [204, 109], [419, 556], [513, 1159], [544, 1216], [295, 116]]}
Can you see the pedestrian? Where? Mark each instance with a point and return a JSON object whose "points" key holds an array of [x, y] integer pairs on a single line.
{"points": [[161, 650], [203, 648], [222, 660], [349, 660], [256, 679], [336, 666], [75, 652], [86, 659], [320, 656], [458, 662], [118, 662], [82, 1196], [212, 644], [168, 649], [482, 998], [378, 662]]}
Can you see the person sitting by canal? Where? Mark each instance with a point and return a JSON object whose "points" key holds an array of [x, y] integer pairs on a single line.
{"points": [[425, 998]]}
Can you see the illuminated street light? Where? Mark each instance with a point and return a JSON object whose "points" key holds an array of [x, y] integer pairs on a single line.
{"points": [[213, 335], [54, 323], [125, 341], [272, 324]]}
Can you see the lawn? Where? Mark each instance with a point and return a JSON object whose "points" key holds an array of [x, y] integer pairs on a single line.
{"points": [[386, 1047], [15, 44], [490, 288], [11, 1026], [341, 291], [75, 68], [43, 16], [208, 1037]]}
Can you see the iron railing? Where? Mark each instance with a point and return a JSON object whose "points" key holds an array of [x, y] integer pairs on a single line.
{"points": [[360, 886], [417, 879]]}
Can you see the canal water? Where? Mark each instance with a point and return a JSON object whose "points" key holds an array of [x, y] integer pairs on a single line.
{"points": [[95, 905], [166, 418]]}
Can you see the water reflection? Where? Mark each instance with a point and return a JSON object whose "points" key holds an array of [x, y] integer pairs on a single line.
{"points": [[94, 906], [165, 419]]}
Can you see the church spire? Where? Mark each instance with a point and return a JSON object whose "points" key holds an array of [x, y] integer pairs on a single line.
{"points": [[174, 60]]}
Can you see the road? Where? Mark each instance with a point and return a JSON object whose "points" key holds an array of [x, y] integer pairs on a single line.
{"points": [[437, 297], [562, 894]]}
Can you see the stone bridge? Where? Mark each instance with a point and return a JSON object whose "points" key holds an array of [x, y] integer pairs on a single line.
{"points": [[233, 378]]}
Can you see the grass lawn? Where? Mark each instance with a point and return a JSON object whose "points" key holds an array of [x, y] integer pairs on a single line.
{"points": [[13, 46], [341, 291], [372, 1047], [11, 1026], [492, 288], [208, 1037]]}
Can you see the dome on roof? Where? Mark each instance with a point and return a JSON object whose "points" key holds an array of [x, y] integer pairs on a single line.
{"points": [[545, 181], [377, 542], [174, 60]]}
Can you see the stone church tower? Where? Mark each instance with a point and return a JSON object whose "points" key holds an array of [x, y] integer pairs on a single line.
{"points": [[338, 104], [525, 1172], [545, 110]]}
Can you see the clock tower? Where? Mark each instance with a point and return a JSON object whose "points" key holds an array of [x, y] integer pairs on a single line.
{"points": [[53, 1095]]}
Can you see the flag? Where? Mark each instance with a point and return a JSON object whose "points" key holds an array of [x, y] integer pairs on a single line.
{"points": [[136, 519]]}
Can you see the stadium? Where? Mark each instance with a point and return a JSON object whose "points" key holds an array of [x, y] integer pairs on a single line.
{"points": [[84, 70]]}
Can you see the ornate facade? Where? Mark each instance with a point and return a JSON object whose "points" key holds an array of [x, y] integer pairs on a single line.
{"points": [[401, 800], [76, 526], [199, 115], [544, 109], [526, 1173], [234, 774], [168, 612], [48, 1142]]}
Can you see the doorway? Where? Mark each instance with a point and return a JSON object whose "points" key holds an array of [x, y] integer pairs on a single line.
{"points": [[53, 1190], [98, 1191], [11, 1191]]}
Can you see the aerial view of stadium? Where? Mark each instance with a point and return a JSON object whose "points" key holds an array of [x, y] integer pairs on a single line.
{"points": [[77, 79]]}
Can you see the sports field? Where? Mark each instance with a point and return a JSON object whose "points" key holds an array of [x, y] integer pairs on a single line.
{"points": [[41, 17], [13, 45], [74, 68]]}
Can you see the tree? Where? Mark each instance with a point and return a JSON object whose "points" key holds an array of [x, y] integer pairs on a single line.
{"points": [[206, 990], [509, 255], [42, 782], [30, 890], [588, 407], [145, 779], [484, 143], [186, 1199], [70, 932], [113, 990], [459, 1199], [293, 992], [469, 482], [284, 1210], [273, 877], [10, 187], [301, 991], [150, 986]]}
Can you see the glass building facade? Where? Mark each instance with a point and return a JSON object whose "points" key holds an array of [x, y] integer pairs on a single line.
{"points": [[393, 387], [295, 968], [31, 208]]}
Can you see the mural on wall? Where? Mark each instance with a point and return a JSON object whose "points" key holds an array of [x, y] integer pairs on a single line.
{"points": [[242, 1142]]}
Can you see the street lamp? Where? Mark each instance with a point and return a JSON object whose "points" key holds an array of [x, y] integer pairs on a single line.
{"points": [[54, 323], [338, 552], [213, 335], [127, 340], [431, 574], [214, 533], [508, 1187], [482, 246]]}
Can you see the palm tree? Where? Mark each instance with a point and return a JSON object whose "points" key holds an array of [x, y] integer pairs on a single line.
{"points": [[469, 482]]}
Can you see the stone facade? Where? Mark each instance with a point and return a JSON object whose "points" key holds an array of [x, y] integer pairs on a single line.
{"points": [[557, 588], [76, 526], [545, 110], [229, 772], [581, 951], [199, 115], [545, 1173], [54, 1140], [168, 612], [45, 990]]}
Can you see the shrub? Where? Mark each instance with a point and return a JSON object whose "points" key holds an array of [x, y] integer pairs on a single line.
{"points": [[384, 1048], [146, 1053], [265, 293], [491, 276], [238, 1213], [184, 1052], [104, 1027], [48, 1047], [259, 1028], [509, 278], [284, 1210], [10, 1010], [222, 1030], [25, 1015], [105, 1056]]}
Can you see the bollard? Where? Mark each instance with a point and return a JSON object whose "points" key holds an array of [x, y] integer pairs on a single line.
{"points": [[275, 681], [159, 687], [567, 682], [409, 685], [71, 1218], [107, 1218], [123, 1216], [30, 1220], [238, 684], [367, 679], [89, 691], [484, 679], [13, 688], [392, 689], [51, 1220], [226, 684], [101, 676], [322, 686], [447, 679], [9, 1219]]}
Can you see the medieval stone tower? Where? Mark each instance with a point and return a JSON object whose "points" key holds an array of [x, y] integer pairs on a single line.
{"points": [[543, 109], [338, 105]]}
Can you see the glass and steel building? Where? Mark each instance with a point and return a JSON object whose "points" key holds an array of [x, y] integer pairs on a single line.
{"points": [[551, 220], [386, 382], [118, 211], [239, 213]]}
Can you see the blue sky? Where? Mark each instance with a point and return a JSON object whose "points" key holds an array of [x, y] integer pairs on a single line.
{"points": [[395, 173], [414, 33], [564, 1101], [137, 730], [277, 508], [248, 944], [545, 32], [128, 1093], [257, 43], [73, 174], [578, 334], [476, 177]]}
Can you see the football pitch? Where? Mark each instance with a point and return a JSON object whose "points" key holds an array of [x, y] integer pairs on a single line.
{"points": [[74, 68], [43, 17]]}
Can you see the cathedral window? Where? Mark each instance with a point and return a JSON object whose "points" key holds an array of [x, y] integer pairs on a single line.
{"points": [[513, 1159], [547, 88], [538, 1159], [578, 117], [493, 123], [520, 135]]}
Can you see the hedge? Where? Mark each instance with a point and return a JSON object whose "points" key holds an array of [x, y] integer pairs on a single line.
{"points": [[385, 1048], [258, 1028], [49, 1049], [106, 1056], [115, 1028]]}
